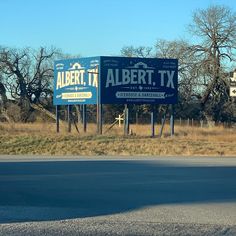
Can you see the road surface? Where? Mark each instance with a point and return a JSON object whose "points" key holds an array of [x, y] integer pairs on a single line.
{"points": [[117, 196]]}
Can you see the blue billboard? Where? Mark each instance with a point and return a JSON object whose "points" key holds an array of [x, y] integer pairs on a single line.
{"points": [[115, 80], [76, 81], [126, 80]]}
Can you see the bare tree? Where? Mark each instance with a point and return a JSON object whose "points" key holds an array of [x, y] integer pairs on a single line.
{"points": [[141, 51], [188, 73], [27, 75], [215, 29]]}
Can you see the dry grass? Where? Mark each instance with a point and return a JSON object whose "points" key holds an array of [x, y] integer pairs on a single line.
{"points": [[41, 138]]}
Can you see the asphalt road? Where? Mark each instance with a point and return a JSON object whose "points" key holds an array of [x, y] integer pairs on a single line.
{"points": [[116, 196]]}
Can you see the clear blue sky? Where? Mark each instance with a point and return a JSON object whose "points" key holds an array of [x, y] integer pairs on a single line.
{"points": [[96, 27]]}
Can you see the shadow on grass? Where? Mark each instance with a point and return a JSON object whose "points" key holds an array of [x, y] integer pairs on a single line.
{"points": [[36, 191]]}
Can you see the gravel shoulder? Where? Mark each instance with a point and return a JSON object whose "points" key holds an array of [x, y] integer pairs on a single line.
{"points": [[141, 222]]}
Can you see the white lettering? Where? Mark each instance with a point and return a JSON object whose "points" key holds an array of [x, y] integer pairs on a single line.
{"points": [[72, 78], [149, 72], [58, 80], [133, 77], [110, 78], [141, 77], [170, 75], [162, 72], [116, 77], [125, 76], [81, 76], [93, 77], [77, 81], [66, 78], [95, 80]]}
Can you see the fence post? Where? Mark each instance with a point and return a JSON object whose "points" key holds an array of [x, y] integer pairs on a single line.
{"points": [[126, 120], [201, 122]]}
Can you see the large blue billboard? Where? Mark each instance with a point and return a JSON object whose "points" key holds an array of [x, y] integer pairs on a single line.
{"points": [[138, 80], [115, 80], [76, 81]]}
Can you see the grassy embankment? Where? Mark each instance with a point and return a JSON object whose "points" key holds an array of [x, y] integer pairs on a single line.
{"points": [[41, 138]]}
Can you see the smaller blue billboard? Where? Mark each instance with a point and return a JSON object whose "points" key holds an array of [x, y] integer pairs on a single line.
{"points": [[138, 80], [76, 81]]}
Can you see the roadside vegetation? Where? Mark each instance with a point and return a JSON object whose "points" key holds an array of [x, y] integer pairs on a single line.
{"points": [[206, 65], [42, 139]]}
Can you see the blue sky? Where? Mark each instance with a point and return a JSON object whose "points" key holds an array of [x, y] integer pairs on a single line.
{"points": [[96, 27]]}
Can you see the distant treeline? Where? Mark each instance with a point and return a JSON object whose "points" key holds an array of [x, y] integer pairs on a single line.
{"points": [[26, 75]]}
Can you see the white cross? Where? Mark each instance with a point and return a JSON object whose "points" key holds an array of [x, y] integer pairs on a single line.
{"points": [[119, 119]]}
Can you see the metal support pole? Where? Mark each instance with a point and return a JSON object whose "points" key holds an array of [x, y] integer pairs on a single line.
{"points": [[99, 105], [172, 121], [100, 118], [69, 118], [57, 118], [153, 121], [85, 118], [127, 120]]}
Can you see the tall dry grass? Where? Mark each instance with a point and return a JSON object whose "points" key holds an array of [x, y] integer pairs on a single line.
{"points": [[41, 138]]}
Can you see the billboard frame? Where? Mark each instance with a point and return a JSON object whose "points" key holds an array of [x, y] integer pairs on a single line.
{"points": [[120, 80]]}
